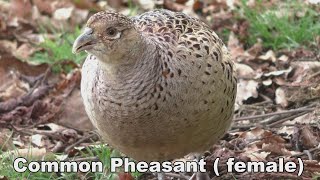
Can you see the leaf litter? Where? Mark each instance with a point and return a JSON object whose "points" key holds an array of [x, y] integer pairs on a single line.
{"points": [[277, 109]]}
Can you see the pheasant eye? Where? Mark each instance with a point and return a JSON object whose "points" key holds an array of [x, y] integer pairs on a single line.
{"points": [[111, 31]]}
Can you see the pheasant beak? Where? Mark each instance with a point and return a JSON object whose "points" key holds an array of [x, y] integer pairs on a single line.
{"points": [[84, 42]]}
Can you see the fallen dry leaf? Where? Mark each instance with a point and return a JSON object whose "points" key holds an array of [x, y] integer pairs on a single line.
{"points": [[73, 114], [283, 58], [268, 56], [254, 134], [260, 136], [256, 49], [115, 3], [125, 176], [277, 149], [255, 153], [24, 51], [236, 49], [63, 13], [147, 4], [8, 46], [79, 16], [21, 8], [13, 87], [37, 140], [267, 82], [308, 137], [31, 152], [302, 70], [173, 5], [287, 130], [308, 118], [278, 73], [244, 71], [44, 6], [281, 97], [246, 90], [30, 37]]}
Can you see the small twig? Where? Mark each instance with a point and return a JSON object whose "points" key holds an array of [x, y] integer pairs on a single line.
{"points": [[307, 152], [275, 113], [275, 121], [310, 151], [314, 75], [57, 147], [266, 98], [286, 119], [272, 119], [21, 130], [79, 142], [83, 159], [254, 106], [193, 176]]}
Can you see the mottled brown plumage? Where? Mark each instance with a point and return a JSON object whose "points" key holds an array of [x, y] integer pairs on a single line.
{"points": [[157, 86]]}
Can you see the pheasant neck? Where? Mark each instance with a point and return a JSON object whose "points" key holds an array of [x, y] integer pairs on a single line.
{"points": [[138, 64]]}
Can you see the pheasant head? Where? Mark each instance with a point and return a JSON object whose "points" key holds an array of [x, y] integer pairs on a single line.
{"points": [[109, 36]]}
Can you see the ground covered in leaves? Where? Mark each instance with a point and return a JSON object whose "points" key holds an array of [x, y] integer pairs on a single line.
{"points": [[275, 46]]}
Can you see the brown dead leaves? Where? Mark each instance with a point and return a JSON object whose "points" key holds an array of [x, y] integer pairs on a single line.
{"points": [[33, 115], [263, 145], [46, 111], [31, 96], [274, 75], [270, 82]]}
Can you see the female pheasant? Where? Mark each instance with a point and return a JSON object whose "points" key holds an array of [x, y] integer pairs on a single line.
{"points": [[156, 86]]}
